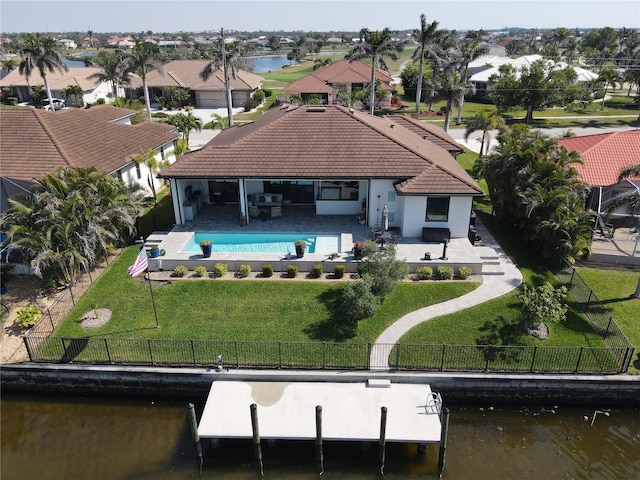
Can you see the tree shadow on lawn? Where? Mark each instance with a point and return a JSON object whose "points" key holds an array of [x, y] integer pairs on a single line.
{"points": [[334, 328], [501, 332]]}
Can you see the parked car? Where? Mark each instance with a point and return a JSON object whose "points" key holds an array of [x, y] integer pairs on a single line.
{"points": [[58, 103]]}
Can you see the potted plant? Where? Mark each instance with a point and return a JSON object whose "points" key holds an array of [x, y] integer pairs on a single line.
{"points": [[205, 245], [358, 250], [301, 246], [154, 252]]}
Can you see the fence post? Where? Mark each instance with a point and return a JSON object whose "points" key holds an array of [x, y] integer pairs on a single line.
{"points": [[606, 332], [73, 300], [50, 319], [193, 353], [397, 356], [586, 305], [573, 272], [487, 355], [369, 356], [533, 359], [579, 358], [444, 346], [106, 347], [150, 351], [64, 350], [280, 355], [324, 355], [26, 344], [235, 344]]}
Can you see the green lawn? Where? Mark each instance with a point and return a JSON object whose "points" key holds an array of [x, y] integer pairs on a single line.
{"points": [[238, 309]]}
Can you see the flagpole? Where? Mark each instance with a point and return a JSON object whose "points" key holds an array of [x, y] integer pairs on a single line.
{"points": [[153, 302]]}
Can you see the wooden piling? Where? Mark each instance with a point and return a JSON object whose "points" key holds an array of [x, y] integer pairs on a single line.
{"points": [[383, 436], [443, 440], [257, 448], [193, 422], [319, 447]]}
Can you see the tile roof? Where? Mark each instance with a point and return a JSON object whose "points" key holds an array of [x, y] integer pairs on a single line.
{"points": [[428, 131], [36, 141], [186, 74], [327, 142], [57, 80], [338, 73], [604, 155]]}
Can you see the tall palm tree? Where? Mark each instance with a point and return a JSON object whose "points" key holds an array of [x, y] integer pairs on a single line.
{"points": [[468, 50], [227, 58], [484, 121], [142, 59], [154, 165], [74, 91], [43, 54], [375, 45], [429, 48], [113, 70], [609, 77], [185, 123]]}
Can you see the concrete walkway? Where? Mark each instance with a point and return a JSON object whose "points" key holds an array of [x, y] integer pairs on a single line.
{"points": [[500, 277]]}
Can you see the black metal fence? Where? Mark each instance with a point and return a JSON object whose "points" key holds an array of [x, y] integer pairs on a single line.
{"points": [[614, 358]]}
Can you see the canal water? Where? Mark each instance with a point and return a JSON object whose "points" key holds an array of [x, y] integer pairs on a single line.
{"points": [[59, 437]]}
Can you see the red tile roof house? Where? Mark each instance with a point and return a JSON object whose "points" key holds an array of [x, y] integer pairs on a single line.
{"points": [[604, 156], [326, 80], [35, 142], [92, 89], [209, 94], [339, 162]]}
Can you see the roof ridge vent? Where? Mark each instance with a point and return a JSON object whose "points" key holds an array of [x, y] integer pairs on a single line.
{"points": [[316, 109]]}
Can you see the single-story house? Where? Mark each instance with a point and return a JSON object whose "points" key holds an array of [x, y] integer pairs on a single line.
{"points": [[335, 161], [92, 88], [35, 142], [605, 155], [326, 80], [209, 94]]}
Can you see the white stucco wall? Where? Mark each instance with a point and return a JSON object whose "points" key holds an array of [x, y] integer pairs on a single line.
{"points": [[414, 209], [381, 193]]}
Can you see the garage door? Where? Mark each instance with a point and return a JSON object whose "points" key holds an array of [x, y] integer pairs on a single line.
{"points": [[210, 100]]}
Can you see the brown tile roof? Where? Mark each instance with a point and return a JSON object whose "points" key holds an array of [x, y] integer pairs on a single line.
{"points": [[37, 141], [338, 73], [57, 80], [604, 155], [428, 131], [186, 74], [326, 142]]}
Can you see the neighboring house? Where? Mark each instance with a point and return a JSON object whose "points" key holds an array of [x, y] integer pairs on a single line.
{"points": [[337, 161], [66, 44], [482, 68], [605, 155], [209, 94], [325, 81], [35, 142], [92, 89]]}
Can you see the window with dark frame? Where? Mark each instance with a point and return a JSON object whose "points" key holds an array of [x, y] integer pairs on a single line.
{"points": [[437, 209]]}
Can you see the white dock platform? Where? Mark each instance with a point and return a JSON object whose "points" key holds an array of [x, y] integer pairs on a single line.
{"points": [[350, 411]]}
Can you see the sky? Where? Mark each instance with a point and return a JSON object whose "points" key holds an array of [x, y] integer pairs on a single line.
{"points": [[169, 16]]}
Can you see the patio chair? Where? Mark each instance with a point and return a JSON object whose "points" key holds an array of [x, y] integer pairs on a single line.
{"points": [[605, 230], [276, 212], [254, 212]]}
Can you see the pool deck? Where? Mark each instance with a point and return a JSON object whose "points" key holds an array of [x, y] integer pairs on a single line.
{"points": [[350, 411], [459, 251]]}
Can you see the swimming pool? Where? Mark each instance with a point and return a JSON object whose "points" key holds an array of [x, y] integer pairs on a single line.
{"points": [[263, 242]]}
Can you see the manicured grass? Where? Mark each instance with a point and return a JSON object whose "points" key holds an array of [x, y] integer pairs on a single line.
{"points": [[257, 310]]}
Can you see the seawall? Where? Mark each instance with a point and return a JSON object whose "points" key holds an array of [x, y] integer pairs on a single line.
{"points": [[605, 390]]}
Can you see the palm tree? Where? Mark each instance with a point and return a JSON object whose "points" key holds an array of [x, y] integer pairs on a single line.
{"points": [[608, 76], [184, 123], [154, 165], [41, 53], [113, 70], [74, 91], [227, 57], [142, 59], [469, 50], [629, 199], [429, 48], [218, 120], [375, 45], [484, 121]]}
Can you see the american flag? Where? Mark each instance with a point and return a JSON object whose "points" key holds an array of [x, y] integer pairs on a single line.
{"points": [[140, 265]]}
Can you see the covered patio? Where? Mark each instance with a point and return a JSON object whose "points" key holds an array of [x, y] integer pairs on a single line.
{"points": [[299, 219]]}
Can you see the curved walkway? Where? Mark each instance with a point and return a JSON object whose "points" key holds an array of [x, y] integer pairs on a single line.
{"points": [[503, 278]]}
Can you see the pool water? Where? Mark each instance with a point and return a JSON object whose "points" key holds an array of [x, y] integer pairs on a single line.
{"points": [[281, 243]]}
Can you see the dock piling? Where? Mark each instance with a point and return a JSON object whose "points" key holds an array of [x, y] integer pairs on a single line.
{"points": [[257, 448], [383, 437], [443, 440], [193, 422], [319, 447]]}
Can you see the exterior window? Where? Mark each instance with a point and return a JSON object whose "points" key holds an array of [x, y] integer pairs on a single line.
{"points": [[338, 190], [437, 209], [138, 173]]}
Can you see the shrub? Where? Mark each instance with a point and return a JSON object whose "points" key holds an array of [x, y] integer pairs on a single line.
{"points": [[244, 271], [267, 270], [26, 317], [258, 96], [339, 270], [220, 269], [292, 271], [543, 303], [383, 268], [424, 273], [267, 92], [200, 271], [444, 273], [357, 301], [249, 105], [180, 271], [316, 271], [464, 272]]}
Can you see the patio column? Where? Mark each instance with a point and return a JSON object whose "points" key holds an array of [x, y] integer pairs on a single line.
{"points": [[243, 199], [178, 214]]}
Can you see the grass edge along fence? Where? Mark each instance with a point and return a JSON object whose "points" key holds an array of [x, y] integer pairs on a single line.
{"points": [[612, 359]]}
